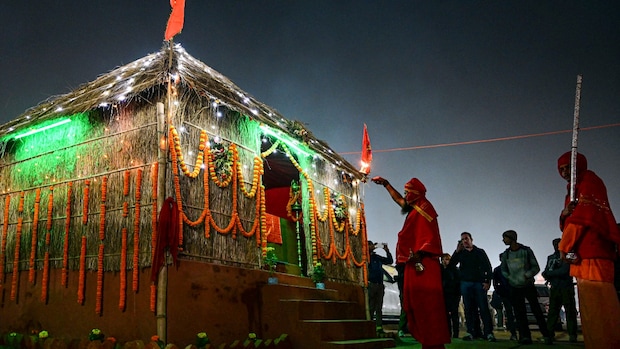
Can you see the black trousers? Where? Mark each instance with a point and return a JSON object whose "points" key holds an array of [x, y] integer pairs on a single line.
{"points": [[518, 295]]}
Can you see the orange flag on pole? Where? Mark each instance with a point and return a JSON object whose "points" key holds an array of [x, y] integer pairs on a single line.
{"points": [[366, 153], [175, 22]]}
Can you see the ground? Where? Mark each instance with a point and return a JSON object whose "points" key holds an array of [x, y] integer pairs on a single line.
{"points": [[503, 341]]}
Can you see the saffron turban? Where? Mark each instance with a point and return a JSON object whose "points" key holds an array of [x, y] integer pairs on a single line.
{"points": [[415, 186]]}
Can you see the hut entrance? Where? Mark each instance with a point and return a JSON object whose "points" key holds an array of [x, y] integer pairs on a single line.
{"points": [[284, 234]]}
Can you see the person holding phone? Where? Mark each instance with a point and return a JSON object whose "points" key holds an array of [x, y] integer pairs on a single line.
{"points": [[376, 289], [476, 275]]}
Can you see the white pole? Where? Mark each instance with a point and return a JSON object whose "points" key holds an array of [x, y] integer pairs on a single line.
{"points": [[573, 150]]}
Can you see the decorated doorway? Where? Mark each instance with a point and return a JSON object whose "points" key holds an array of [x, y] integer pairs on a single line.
{"points": [[283, 206]]}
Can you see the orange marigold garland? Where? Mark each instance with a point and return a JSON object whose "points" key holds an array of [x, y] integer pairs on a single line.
{"points": [[18, 238], [177, 185], [5, 230], [104, 189], [136, 234], [46, 277], [126, 193], [153, 299], [65, 247], [126, 182], [33, 240], [85, 206], [50, 209], [99, 296], [123, 273], [48, 238], [176, 146], [82, 277]]}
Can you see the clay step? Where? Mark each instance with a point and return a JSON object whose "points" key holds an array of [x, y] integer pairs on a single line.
{"points": [[372, 343], [323, 309]]}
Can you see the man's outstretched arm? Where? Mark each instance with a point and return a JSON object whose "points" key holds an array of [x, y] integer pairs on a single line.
{"points": [[396, 196]]}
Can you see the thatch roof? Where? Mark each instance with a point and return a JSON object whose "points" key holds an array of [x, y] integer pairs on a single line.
{"points": [[139, 79]]}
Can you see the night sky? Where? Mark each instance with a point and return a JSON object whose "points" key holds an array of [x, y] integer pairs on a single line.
{"points": [[420, 74]]}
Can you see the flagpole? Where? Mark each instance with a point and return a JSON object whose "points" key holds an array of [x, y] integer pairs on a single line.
{"points": [[573, 150]]}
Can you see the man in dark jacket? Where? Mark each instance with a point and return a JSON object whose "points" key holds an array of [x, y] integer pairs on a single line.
{"points": [[501, 301], [475, 271], [451, 293], [557, 274], [376, 289]]}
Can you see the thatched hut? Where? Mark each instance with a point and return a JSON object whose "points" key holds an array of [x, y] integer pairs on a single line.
{"points": [[84, 177]]}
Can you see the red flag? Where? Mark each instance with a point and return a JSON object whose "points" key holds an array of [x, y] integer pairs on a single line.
{"points": [[175, 22], [366, 153]]}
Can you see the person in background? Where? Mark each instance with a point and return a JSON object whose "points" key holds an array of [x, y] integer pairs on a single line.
{"points": [[590, 237], [376, 289], [462, 314], [475, 271], [617, 269], [419, 248], [400, 281], [519, 266], [562, 293], [451, 293], [502, 295]]}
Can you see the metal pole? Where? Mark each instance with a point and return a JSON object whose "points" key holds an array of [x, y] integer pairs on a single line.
{"points": [[573, 150]]}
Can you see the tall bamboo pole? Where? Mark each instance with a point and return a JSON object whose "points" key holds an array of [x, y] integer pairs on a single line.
{"points": [[573, 149], [162, 279]]}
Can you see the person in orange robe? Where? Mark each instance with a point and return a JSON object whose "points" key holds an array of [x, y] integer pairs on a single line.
{"points": [[591, 236], [419, 249]]}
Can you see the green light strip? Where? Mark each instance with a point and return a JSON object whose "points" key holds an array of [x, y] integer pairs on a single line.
{"points": [[37, 130], [286, 139]]}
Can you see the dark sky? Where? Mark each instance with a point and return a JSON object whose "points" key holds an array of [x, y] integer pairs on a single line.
{"points": [[418, 73]]}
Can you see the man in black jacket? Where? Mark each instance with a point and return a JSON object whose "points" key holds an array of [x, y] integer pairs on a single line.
{"points": [[562, 293], [475, 271], [451, 282]]}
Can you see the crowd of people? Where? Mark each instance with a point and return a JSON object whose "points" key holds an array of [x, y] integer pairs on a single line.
{"points": [[434, 283]]}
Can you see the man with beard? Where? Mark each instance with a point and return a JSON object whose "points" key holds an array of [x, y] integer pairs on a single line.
{"points": [[419, 249], [589, 243]]}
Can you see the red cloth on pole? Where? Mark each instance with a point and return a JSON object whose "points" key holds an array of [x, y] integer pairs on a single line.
{"points": [[175, 22], [167, 236], [366, 153], [274, 232]]}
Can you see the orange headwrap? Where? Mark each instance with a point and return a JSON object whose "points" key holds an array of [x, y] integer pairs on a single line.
{"points": [[415, 186]]}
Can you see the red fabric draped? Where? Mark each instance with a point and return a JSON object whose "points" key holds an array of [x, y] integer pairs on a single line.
{"points": [[167, 236], [423, 291], [177, 17]]}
